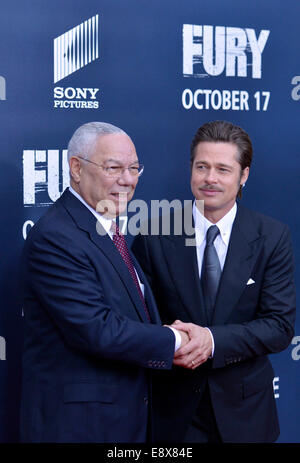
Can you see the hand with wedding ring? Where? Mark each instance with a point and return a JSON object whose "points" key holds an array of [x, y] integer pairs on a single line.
{"points": [[197, 350]]}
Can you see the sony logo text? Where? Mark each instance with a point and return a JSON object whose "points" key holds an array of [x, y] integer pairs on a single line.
{"points": [[75, 97]]}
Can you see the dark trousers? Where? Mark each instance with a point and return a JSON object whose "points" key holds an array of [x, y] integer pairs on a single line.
{"points": [[203, 428]]}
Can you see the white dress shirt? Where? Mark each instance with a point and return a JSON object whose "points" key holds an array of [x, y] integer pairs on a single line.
{"points": [[106, 223], [221, 242]]}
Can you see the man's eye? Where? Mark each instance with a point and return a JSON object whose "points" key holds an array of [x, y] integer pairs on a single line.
{"points": [[113, 168], [134, 170]]}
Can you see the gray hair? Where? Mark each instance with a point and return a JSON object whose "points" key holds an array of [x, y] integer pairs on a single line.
{"points": [[85, 137]]}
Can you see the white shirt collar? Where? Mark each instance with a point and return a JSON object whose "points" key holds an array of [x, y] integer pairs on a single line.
{"points": [[106, 223], [224, 225]]}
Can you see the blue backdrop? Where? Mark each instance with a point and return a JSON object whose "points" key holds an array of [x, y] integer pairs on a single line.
{"points": [[159, 70]]}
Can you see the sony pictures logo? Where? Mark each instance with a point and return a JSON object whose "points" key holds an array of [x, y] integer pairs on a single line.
{"points": [[74, 50]]}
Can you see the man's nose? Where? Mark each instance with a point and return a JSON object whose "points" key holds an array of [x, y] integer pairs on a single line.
{"points": [[211, 176], [126, 178]]}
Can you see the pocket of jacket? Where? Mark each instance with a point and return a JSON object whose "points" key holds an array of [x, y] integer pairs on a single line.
{"points": [[258, 381]]}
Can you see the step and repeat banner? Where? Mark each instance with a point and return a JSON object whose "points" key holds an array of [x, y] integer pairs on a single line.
{"points": [[158, 70]]}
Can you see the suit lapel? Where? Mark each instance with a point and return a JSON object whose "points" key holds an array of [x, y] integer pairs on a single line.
{"points": [[149, 298], [87, 222], [245, 243], [106, 245]]}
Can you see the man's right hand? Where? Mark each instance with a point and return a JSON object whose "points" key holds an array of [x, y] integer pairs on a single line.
{"points": [[199, 347], [184, 337]]}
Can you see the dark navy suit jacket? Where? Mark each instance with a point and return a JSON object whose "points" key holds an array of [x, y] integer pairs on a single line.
{"points": [[89, 349], [250, 321]]}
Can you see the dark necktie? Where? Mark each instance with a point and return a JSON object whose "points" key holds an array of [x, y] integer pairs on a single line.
{"points": [[211, 271], [119, 241]]}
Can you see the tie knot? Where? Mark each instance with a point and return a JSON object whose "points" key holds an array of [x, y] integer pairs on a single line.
{"points": [[211, 234]]}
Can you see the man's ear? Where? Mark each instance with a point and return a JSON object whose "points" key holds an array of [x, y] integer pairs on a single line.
{"points": [[245, 175], [75, 168]]}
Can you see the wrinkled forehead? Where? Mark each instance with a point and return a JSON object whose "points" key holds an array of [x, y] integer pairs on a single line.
{"points": [[220, 152], [114, 147]]}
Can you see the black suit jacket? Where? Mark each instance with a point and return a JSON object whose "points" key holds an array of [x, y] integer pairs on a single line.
{"points": [[250, 321], [88, 346]]}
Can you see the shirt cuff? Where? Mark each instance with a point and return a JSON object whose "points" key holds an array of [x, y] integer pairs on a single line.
{"points": [[177, 338], [213, 342]]}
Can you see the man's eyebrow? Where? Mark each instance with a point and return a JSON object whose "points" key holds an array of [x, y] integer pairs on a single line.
{"points": [[112, 160], [116, 161], [200, 162], [219, 164]]}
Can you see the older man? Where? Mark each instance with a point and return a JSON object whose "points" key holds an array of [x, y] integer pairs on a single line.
{"points": [[234, 290], [92, 331]]}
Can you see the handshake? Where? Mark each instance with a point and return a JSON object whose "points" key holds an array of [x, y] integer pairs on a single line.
{"points": [[196, 345]]}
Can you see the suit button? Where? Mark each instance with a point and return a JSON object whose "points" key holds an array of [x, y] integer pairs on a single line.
{"points": [[146, 400]]}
